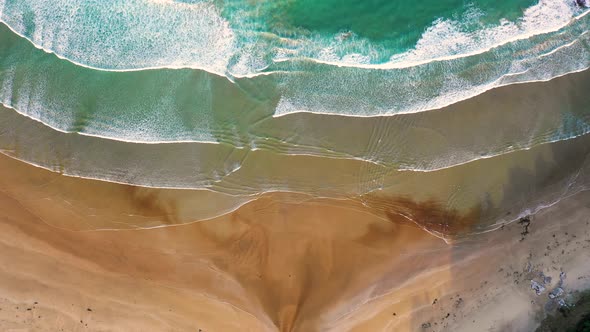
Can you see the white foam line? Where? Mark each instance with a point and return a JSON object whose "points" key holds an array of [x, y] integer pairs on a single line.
{"points": [[495, 155], [2, 151], [249, 199], [344, 156], [529, 212], [109, 69], [140, 228], [257, 196], [384, 66], [111, 138], [246, 196], [409, 64], [226, 75], [563, 46], [490, 86]]}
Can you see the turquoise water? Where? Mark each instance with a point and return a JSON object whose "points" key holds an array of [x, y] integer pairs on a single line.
{"points": [[385, 20], [330, 98], [245, 37], [391, 26]]}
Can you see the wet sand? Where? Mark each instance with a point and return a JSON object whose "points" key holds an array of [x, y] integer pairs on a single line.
{"points": [[279, 263]]}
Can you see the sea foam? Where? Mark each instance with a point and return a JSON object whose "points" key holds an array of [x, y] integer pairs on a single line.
{"points": [[455, 59]]}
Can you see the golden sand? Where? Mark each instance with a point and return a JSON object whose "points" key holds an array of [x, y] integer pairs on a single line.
{"points": [[279, 263]]}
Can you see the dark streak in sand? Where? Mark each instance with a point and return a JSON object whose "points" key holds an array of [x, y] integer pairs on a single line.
{"points": [[430, 215], [148, 203]]}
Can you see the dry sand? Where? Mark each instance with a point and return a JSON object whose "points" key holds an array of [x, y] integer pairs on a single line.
{"points": [[279, 263]]}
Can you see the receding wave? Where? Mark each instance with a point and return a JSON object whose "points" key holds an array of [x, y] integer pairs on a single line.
{"points": [[242, 38], [163, 106], [485, 189], [360, 92], [126, 34], [319, 72]]}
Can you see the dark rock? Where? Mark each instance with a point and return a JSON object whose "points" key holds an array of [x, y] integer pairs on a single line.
{"points": [[537, 287]]}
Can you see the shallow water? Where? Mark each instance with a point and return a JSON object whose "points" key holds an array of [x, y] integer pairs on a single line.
{"points": [[471, 197], [452, 113]]}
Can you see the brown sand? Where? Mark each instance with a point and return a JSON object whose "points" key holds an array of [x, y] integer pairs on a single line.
{"points": [[275, 264]]}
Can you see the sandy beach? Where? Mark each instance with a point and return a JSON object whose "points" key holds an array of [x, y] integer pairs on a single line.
{"points": [[295, 166], [279, 263]]}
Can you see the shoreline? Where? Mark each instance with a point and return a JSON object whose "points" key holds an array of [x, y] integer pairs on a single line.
{"points": [[272, 265]]}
